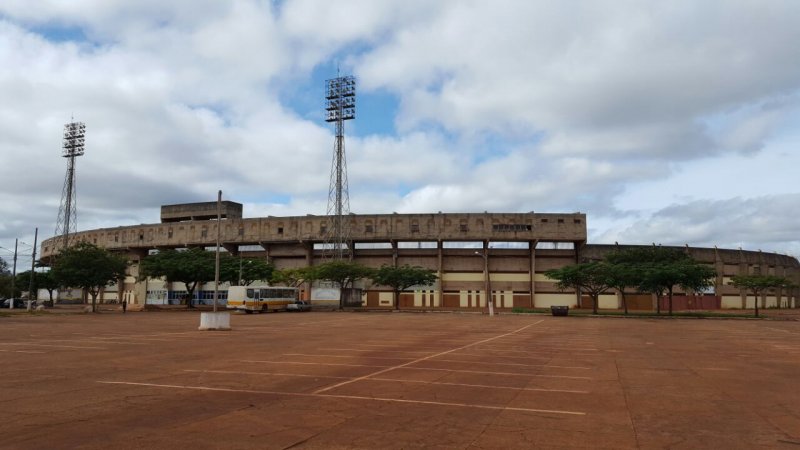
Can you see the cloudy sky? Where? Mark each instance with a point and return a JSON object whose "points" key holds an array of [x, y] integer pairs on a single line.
{"points": [[669, 122]]}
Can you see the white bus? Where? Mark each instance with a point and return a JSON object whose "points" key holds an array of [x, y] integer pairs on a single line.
{"points": [[261, 298]]}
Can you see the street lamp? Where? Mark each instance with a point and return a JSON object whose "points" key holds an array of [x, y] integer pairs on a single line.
{"points": [[486, 281]]}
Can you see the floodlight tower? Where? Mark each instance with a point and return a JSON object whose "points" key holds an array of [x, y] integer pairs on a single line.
{"points": [[340, 106], [67, 223]]}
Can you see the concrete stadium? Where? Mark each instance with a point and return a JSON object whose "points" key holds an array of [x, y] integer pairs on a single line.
{"points": [[472, 253]]}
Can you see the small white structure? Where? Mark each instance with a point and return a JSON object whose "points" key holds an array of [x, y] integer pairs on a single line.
{"points": [[219, 321]]}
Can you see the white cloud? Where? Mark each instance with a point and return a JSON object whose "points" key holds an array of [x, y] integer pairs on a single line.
{"points": [[626, 111], [766, 223]]}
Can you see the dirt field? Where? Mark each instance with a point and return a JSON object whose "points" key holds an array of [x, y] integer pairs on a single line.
{"points": [[397, 380]]}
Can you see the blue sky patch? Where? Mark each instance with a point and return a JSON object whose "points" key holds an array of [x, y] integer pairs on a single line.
{"points": [[60, 33]]}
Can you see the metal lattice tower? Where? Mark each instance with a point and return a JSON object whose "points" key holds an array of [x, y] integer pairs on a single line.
{"points": [[340, 106], [67, 223]]}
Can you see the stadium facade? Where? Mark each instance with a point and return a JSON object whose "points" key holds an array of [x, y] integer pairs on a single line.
{"points": [[472, 253]]}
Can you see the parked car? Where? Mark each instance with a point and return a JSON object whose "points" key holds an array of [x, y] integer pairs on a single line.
{"points": [[18, 303], [299, 305]]}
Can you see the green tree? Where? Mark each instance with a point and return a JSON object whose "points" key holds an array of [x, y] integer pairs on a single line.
{"points": [[293, 277], [660, 269], [23, 282], [623, 276], [190, 267], [89, 267], [402, 278], [46, 280], [595, 278], [5, 280], [244, 271], [758, 285], [343, 273]]}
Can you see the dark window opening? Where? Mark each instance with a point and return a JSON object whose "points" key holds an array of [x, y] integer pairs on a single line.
{"points": [[511, 227]]}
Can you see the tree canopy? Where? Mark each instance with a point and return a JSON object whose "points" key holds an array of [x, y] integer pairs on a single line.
{"points": [[758, 285], [250, 270], [293, 277], [89, 267], [343, 273], [648, 269], [190, 267], [5, 280], [45, 280], [594, 278], [658, 270], [402, 278]]}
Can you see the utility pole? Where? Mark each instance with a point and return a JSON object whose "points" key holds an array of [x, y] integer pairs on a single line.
{"points": [[13, 276], [216, 258], [31, 295]]}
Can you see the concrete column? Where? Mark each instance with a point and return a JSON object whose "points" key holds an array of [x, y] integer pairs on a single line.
{"points": [[743, 270], [719, 266], [764, 271], [440, 270], [486, 278], [309, 253], [532, 252], [394, 252], [309, 263]]}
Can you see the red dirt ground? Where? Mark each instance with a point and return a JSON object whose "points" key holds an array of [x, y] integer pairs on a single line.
{"points": [[396, 380]]}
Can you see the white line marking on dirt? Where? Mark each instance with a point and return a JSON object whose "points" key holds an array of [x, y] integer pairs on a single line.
{"points": [[564, 391], [385, 351], [310, 363], [345, 356], [349, 397], [487, 386], [47, 345], [425, 358], [511, 364], [498, 373], [406, 367], [277, 374], [20, 351], [544, 347]]}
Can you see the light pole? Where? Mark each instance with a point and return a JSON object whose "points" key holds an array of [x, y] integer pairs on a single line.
{"points": [[487, 282], [216, 256]]}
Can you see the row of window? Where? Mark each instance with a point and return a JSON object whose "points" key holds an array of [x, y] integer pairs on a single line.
{"points": [[271, 293], [198, 295], [502, 227]]}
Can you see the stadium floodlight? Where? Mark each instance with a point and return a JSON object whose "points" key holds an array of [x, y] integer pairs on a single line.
{"points": [[340, 105], [67, 222]]}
